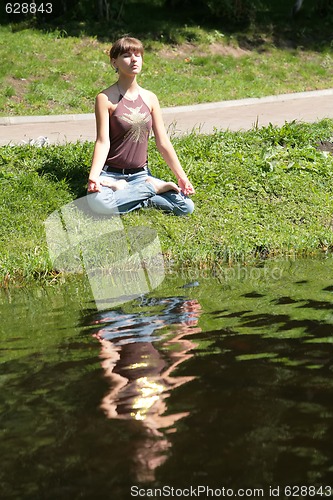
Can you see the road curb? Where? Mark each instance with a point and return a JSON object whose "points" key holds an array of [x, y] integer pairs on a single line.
{"points": [[17, 120], [21, 120]]}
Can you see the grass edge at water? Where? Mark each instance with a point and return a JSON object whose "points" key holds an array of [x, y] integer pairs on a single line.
{"points": [[263, 193]]}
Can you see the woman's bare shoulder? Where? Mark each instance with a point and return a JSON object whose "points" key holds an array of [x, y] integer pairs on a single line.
{"points": [[109, 96], [149, 97]]}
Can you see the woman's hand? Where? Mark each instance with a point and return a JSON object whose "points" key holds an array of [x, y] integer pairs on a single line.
{"points": [[186, 186], [94, 186]]}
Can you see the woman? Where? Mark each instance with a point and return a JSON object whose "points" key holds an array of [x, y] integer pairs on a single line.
{"points": [[119, 179]]}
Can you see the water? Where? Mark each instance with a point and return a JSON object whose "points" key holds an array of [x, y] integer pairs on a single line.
{"points": [[223, 384]]}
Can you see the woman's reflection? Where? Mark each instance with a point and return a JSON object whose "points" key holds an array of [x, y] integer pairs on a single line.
{"points": [[139, 353]]}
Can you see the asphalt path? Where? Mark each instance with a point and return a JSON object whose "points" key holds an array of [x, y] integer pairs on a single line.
{"points": [[237, 115]]}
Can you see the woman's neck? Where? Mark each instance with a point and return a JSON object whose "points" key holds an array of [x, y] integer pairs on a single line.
{"points": [[128, 88]]}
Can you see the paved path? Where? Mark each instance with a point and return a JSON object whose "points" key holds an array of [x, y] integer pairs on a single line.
{"points": [[233, 115]]}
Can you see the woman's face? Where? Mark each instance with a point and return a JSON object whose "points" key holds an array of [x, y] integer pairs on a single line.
{"points": [[129, 63]]}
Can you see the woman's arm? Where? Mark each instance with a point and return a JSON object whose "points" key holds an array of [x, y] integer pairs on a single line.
{"points": [[165, 147], [102, 144]]}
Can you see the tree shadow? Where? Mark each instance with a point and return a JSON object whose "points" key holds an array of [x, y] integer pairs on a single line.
{"points": [[271, 25]]}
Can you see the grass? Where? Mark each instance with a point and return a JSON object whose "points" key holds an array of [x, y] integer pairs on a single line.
{"points": [[52, 72], [262, 193], [266, 192]]}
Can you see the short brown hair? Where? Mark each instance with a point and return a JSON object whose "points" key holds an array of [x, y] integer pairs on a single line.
{"points": [[125, 44]]}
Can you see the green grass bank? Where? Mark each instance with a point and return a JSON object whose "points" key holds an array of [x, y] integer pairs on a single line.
{"points": [[263, 193], [52, 71]]}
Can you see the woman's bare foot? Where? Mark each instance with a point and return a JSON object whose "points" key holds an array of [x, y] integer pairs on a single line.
{"points": [[114, 185], [162, 186]]}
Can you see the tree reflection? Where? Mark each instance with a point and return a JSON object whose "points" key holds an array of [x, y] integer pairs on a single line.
{"points": [[139, 354]]}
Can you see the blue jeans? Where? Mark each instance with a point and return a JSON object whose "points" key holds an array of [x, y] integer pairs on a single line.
{"points": [[138, 194]]}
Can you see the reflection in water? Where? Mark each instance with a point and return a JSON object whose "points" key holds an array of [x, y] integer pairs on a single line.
{"points": [[260, 406], [138, 360]]}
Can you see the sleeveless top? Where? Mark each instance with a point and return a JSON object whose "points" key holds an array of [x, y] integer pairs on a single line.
{"points": [[130, 126]]}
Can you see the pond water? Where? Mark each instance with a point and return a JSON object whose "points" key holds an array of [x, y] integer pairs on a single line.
{"points": [[209, 382]]}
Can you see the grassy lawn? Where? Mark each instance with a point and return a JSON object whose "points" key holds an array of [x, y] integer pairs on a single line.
{"points": [[52, 72], [263, 193]]}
